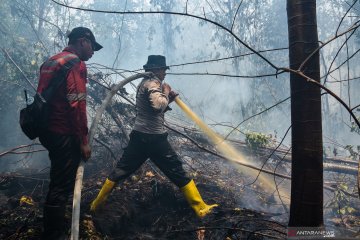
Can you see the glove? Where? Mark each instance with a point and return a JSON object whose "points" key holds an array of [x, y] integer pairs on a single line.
{"points": [[172, 96]]}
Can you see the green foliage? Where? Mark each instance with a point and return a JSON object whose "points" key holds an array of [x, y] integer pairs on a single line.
{"points": [[341, 203], [255, 140], [353, 154]]}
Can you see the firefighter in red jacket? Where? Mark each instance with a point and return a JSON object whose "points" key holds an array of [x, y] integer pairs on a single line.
{"points": [[66, 136]]}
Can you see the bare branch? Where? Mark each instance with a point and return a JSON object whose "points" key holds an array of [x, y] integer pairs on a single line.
{"points": [[14, 150], [346, 80], [227, 75], [276, 184], [326, 89], [226, 58], [116, 70], [21, 71], [265, 110], [336, 55], [342, 19], [355, 107], [175, 13], [353, 28], [237, 10]]}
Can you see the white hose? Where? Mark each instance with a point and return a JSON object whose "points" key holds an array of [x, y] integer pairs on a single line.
{"points": [[80, 170]]}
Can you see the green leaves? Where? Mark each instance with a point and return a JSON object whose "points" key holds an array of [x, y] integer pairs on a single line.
{"points": [[346, 210], [255, 140], [353, 154]]}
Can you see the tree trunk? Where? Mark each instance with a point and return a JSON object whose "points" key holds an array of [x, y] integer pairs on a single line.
{"points": [[42, 4], [306, 208]]}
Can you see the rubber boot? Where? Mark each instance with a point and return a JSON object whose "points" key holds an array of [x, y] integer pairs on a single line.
{"points": [[195, 200], [54, 222], [103, 194]]}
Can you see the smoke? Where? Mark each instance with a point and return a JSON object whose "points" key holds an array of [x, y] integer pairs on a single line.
{"points": [[12, 136], [221, 101]]}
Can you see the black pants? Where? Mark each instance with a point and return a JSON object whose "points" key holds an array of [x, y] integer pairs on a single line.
{"points": [[156, 147], [65, 156]]}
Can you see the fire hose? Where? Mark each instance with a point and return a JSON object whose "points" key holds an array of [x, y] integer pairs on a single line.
{"points": [[230, 152]]}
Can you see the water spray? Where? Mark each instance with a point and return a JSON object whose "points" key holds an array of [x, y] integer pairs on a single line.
{"points": [[229, 151]]}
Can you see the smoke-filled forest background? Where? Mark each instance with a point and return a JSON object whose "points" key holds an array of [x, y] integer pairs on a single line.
{"points": [[235, 91]]}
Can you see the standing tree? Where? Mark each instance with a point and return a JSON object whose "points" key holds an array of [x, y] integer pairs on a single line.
{"points": [[306, 207]]}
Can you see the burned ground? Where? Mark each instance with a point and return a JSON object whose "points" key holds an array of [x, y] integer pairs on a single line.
{"points": [[145, 206], [148, 206]]}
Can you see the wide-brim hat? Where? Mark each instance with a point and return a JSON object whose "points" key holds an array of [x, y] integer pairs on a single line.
{"points": [[156, 62], [83, 32]]}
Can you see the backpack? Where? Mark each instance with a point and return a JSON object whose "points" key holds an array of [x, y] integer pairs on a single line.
{"points": [[34, 117]]}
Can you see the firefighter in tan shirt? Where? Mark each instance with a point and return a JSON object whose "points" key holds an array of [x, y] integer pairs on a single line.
{"points": [[149, 140]]}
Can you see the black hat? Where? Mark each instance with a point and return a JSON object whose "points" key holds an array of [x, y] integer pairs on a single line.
{"points": [[155, 61], [83, 32]]}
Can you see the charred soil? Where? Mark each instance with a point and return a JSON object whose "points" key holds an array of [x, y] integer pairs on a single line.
{"points": [[146, 206]]}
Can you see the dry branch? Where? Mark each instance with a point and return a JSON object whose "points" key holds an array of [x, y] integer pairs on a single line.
{"points": [[14, 150], [178, 14], [7, 55]]}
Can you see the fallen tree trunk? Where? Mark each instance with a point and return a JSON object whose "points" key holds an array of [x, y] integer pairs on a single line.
{"points": [[340, 160], [339, 167], [329, 167]]}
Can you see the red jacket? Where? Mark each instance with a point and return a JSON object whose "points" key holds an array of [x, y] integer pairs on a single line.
{"points": [[68, 104]]}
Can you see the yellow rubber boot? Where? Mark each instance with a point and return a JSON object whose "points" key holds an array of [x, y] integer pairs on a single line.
{"points": [[103, 194], [195, 200]]}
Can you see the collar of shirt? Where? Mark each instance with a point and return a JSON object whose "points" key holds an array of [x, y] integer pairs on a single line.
{"points": [[71, 50]]}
